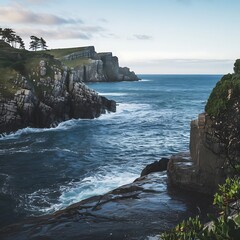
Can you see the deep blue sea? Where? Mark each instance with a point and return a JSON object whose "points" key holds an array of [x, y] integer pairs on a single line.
{"points": [[43, 170]]}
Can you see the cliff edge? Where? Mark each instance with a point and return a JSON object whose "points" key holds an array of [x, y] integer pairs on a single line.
{"points": [[214, 140], [90, 66], [37, 90]]}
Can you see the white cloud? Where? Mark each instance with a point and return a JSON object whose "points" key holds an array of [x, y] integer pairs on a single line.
{"points": [[142, 37], [64, 32], [15, 14]]}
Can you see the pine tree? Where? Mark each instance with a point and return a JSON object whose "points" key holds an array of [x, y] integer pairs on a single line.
{"points": [[43, 44], [35, 43], [8, 35], [20, 42]]}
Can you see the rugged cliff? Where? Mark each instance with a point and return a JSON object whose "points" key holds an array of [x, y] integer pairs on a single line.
{"points": [[90, 66], [214, 140], [37, 90]]}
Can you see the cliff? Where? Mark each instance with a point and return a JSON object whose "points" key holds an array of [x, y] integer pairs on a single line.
{"points": [[214, 140], [90, 66], [37, 90]]}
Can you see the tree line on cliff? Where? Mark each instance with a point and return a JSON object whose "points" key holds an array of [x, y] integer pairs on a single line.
{"points": [[8, 35]]}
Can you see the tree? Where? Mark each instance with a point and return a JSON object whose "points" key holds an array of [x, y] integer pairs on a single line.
{"points": [[37, 43], [34, 44], [19, 40], [223, 107], [43, 44], [8, 35]]}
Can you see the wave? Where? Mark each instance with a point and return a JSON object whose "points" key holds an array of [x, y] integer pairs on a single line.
{"points": [[66, 125], [127, 111], [42, 202], [114, 94], [145, 80]]}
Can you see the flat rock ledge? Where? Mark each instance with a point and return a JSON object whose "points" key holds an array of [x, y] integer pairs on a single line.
{"points": [[144, 208]]}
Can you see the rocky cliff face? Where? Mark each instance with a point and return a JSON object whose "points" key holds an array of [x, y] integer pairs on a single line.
{"points": [[202, 169], [90, 66], [49, 94], [214, 140]]}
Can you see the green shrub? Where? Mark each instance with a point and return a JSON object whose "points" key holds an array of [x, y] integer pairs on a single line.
{"points": [[218, 101], [224, 227]]}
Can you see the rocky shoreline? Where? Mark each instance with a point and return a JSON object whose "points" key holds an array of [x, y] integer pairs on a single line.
{"points": [[153, 203], [137, 210], [49, 101], [40, 90]]}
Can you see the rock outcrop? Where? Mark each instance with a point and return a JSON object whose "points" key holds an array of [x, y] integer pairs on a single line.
{"points": [[90, 66], [48, 95], [157, 166], [214, 140], [202, 169]]}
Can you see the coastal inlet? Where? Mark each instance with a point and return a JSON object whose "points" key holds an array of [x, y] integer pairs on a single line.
{"points": [[44, 170]]}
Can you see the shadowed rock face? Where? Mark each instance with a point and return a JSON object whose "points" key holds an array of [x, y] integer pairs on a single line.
{"points": [[203, 169], [50, 100], [134, 211], [104, 67], [91, 66]]}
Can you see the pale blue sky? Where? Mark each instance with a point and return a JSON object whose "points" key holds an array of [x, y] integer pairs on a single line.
{"points": [[150, 36]]}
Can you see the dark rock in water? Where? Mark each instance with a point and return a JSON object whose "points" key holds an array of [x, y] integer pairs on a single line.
{"points": [[134, 211], [157, 166]]}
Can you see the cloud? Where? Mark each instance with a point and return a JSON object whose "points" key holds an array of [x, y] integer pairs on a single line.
{"points": [[19, 15], [142, 37], [82, 32], [104, 20], [37, 1]]}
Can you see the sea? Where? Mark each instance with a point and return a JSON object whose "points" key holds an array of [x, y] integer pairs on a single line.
{"points": [[44, 170]]}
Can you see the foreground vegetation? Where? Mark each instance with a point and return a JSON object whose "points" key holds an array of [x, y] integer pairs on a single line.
{"points": [[224, 227]]}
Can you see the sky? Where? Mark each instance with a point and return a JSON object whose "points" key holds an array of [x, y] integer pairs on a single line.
{"points": [[149, 36]]}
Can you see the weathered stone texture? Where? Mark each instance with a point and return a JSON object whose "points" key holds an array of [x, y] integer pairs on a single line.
{"points": [[203, 169], [49, 101]]}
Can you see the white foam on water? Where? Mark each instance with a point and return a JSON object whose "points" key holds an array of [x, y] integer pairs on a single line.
{"points": [[145, 80], [114, 94], [128, 109], [97, 184], [66, 125]]}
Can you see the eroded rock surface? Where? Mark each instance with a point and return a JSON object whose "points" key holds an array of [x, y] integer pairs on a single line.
{"points": [[202, 169], [44, 100], [134, 211]]}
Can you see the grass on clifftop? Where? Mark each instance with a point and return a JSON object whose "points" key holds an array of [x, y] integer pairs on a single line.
{"points": [[61, 52], [76, 62], [15, 63]]}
